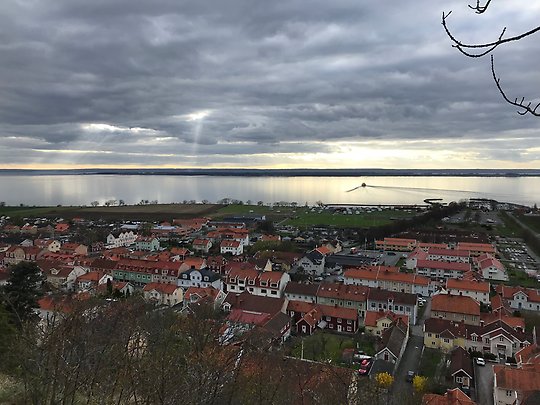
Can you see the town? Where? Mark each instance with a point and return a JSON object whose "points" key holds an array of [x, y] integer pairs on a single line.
{"points": [[438, 303]]}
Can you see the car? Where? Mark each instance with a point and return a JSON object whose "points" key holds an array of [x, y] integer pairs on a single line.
{"points": [[365, 366], [480, 361], [318, 279], [421, 303], [410, 375]]}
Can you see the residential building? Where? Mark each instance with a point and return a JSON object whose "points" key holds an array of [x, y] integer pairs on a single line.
{"points": [[476, 249], [520, 297], [211, 295], [461, 368], [302, 291], [199, 278], [345, 296], [307, 317], [376, 322], [75, 249], [396, 244], [266, 283], [441, 270], [491, 268], [395, 301], [393, 342], [163, 294], [312, 263], [121, 239], [389, 278], [147, 243], [451, 397], [478, 290], [16, 254], [90, 281], [202, 245], [513, 386], [232, 247], [142, 272], [456, 308]]}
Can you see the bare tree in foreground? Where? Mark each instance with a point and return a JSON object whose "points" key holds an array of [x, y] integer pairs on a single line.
{"points": [[482, 49]]}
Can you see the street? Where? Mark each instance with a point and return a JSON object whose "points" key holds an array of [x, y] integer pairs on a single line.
{"points": [[484, 383]]}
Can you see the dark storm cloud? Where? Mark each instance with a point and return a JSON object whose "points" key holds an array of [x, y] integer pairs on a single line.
{"points": [[209, 78]]}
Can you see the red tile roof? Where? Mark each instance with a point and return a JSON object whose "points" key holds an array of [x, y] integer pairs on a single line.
{"points": [[466, 285], [372, 317], [459, 304], [434, 264], [451, 397]]}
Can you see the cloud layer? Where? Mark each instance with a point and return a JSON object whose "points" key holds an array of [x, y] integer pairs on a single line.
{"points": [[261, 84]]}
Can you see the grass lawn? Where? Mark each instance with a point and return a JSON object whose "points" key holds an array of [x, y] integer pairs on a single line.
{"points": [[520, 278], [151, 212], [429, 362], [325, 346], [305, 218], [532, 221]]}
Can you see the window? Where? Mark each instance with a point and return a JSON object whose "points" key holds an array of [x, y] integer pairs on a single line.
{"points": [[349, 329], [339, 320], [331, 326], [263, 291], [459, 380], [328, 318], [349, 322], [446, 340], [273, 292], [508, 393], [429, 334], [251, 282], [264, 284], [501, 339]]}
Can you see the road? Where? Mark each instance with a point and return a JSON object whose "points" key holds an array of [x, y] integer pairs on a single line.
{"points": [[484, 384]]}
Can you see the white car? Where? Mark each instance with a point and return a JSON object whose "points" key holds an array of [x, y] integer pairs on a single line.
{"points": [[480, 361]]}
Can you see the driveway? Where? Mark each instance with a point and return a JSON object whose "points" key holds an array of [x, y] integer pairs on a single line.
{"points": [[484, 384], [409, 361]]}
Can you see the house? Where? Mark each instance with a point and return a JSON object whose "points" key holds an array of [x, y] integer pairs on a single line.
{"points": [[232, 247], [179, 253], [202, 245], [477, 290], [122, 287], [456, 308], [491, 268], [449, 255], [396, 244], [147, 243], [441, 270], [60, 275], [393, 342], [266, 283], [376, 322], [51, 245], [163, 294], [16, 254], [121, 239], [254, 303], [516, 385], [301, 291], [197, 263], [344, 296], [211, 295], [141, 272], [307, 317], [389, 278], [216, 264], [397, 302], [498, 338], [520, 297], [451, 397], [476, 249], [75, 249], [199, 278], [61, 227], [312, 263], [461, 368], [91, 280]]}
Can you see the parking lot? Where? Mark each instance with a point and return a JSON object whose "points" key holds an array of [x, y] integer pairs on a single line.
{"points": [[515, 253]]}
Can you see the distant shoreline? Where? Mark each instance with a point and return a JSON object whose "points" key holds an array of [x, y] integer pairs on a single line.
{"points": [[284, 172]]}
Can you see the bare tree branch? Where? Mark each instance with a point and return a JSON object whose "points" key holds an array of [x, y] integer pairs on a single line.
{"points": [[478, 8], [527, 108], [482, 49]]}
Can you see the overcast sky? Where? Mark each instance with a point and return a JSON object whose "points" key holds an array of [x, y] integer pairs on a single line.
{"points": [[247, 83]]}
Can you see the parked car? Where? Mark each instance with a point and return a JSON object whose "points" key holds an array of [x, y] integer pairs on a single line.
{"points": [[410, 376], [365, 366], [480, 361]]}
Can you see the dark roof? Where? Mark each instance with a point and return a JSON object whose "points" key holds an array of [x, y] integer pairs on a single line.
{"points": [[314, 256], [349, 260], [255, 303], [461, 361], [277, 323], [377, 294], [393, 338], [301, 288], [212, 276]]}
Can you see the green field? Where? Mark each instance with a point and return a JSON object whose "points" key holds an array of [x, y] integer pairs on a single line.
{"points": [[305, 218], [532, 221]]}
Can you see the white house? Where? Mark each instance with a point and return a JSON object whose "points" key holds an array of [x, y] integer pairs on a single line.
{"points": [[491, 268], [478, 290], [199, 278], [232, 247], [163, 294], [125, 238]]}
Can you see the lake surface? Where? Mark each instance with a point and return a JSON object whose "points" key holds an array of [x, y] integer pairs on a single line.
{"points": [[83, 189]]}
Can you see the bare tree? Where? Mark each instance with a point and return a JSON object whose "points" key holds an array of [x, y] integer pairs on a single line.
{"points": [[478, 50]]}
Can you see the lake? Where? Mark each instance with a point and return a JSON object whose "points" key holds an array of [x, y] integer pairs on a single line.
{"points": [[75, 189]]}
